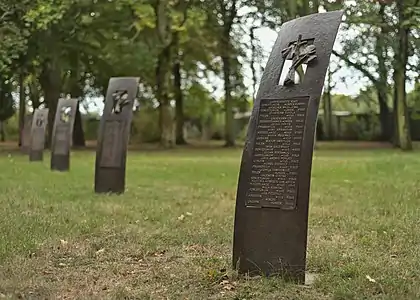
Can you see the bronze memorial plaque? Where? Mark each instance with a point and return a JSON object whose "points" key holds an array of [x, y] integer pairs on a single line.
{"points": [[272, 200], [113, 136], [110, 157], [274, 176], [63, 134], [61, 140]]}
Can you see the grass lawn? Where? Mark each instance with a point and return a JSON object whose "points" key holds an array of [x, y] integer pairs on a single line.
{"points": [[170, 235]]}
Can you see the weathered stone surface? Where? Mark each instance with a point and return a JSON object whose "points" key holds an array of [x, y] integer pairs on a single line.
{"points": [[271, 216], [114, 134]]}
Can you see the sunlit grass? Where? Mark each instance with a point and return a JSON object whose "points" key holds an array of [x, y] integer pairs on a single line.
{"points": [[170, 235]]}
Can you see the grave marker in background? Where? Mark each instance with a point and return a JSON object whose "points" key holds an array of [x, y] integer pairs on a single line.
{"points": [[114, 133], [271, 216], [62, 134], [26, 134], [37, 138]]}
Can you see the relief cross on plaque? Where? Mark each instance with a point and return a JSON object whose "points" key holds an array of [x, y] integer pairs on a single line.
{"points": [[120, 99], [300, 52], [66, 113], [63, 134], [272, 200], [113, 136]]}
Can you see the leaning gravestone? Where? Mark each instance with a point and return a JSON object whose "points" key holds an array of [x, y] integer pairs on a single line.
{"points": [[114, 133], [271, 217], [62, 134], [37, 143], [26, 134]]}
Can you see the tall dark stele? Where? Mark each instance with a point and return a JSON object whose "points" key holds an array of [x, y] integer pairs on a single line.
{"points": [[114, 133], [62, 134], [271, 217], [37, 139]]}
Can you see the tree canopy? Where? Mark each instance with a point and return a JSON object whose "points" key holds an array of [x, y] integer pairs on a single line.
{"points": [[185, 50]]}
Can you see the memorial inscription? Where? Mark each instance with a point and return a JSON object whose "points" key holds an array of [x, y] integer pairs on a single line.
{"points": [[278, 140], [111, 157], [61, 140]]}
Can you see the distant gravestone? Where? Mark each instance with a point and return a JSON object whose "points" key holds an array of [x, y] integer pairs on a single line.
{"points": [[26, 134], [114, 133], [62, 134], [271, 217], [37, 143]]}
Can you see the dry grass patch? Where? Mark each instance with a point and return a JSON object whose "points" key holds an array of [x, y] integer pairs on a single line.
{"points": [[170, 235]]}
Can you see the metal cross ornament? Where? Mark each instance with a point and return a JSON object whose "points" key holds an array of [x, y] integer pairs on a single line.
{"points": [[300, 52], [120, 98], [39, 122], [65, 114]]}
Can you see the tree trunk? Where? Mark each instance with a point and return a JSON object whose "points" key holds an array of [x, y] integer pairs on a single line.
{"points": [[22, 106], [400, 80], [328, 109], [2, 132], [78, 132], [229, 130], [252, 63], [179, 97], [34, 94], [381, 85], [50, 81], [165, 118], [396, 137], [384, 120]]}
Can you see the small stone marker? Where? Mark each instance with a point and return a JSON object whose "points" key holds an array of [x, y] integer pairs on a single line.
{"points": [[26, 134], [114, 133], [62, 134], [39, 125], [271, 217]]}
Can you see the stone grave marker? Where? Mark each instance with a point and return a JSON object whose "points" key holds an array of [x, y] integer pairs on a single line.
{"points": [[37, 139], [271, 217], [62, 134], [114, 133], [26, 134]]}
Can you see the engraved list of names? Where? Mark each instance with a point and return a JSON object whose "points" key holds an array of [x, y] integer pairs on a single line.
{"points": [[274, 176]]}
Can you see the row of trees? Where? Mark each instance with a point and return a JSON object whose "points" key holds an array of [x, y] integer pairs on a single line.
{"points": [[53, 48]]}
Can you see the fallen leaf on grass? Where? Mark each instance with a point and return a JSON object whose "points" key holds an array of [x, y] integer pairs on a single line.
{"points": [[227, 285], [100, 251], [159, 253]]}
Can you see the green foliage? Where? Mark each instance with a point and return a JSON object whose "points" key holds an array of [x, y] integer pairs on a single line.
{"points": [[145, 127], [73, 47], [7, 105]]}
